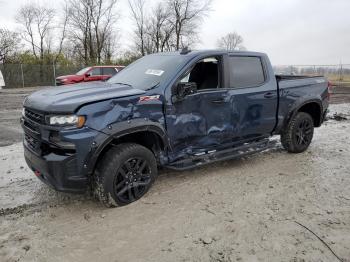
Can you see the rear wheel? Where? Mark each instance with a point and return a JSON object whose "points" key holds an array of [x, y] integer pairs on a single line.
{"points": [[298, 134], [125, 174]]}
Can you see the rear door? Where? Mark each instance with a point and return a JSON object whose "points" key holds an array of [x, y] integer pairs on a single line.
{"points": [[254, 96], [108, 72]]}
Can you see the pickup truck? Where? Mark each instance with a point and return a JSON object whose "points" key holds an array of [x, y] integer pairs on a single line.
{"points": [[176, 110]]}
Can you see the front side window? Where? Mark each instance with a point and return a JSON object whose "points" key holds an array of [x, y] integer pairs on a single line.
{"points": [[205, 74], [95, 71], [83, 71], [246, 71]]}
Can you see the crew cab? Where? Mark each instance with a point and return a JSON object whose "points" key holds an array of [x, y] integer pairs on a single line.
{"points": [[92, 73], [177, 110]]}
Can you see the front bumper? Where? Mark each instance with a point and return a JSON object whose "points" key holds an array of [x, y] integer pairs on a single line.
{"points": [[58, 156], [56, 171]]}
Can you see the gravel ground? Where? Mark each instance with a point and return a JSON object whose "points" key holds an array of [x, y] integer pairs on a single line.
{"points": [[249, 209]]}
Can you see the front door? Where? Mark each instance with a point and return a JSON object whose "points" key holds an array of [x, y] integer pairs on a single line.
{"points": [[202, 120], [94, 74]]}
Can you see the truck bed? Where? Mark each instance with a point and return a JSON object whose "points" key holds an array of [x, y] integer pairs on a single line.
{"points": [[294, 77], [288, 81]]}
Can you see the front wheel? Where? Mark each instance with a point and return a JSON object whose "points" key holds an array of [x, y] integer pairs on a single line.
{"points": [[298, 134], [125, 174]]}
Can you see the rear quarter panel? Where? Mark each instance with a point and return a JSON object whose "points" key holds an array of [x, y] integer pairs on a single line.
{"points": [[298, 92]]}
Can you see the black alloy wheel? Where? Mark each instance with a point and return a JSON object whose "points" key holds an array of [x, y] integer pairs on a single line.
{"points": [[132, 180], [125, 174], [298, 134], [304, 132]]}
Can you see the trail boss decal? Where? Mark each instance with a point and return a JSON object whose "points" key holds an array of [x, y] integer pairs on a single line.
{"points": [[148, 98]]}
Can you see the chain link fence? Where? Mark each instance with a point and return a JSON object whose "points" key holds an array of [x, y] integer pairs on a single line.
{"points": [[28, 75]]}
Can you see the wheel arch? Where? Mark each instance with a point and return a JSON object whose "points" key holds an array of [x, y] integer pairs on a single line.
{"points": [[312, 107], [146, 133], [314, 110]]}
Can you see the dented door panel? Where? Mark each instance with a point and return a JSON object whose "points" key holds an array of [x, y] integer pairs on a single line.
{"points": [[254, 115], [200, 121]]}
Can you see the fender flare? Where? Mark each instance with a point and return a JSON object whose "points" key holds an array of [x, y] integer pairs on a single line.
{"points": [[118, 130]]}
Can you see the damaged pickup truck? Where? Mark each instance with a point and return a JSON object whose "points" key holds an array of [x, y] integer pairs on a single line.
{"points": [[177, 110]]}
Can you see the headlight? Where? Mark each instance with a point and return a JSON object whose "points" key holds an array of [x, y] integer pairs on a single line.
{"points": [[69, 120]]}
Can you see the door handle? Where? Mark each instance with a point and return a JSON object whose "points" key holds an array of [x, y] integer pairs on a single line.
{"points": [[218, 101], [269, 95]]}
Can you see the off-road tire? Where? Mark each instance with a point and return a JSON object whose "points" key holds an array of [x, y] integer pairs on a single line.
{"points": [[109, 168], [289, 137]]}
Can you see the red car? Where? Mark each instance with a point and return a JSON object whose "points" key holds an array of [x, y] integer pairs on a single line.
{"points": [[92, 73]]}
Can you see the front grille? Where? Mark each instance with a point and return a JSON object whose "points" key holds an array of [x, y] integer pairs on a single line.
{"points": [[33, 143], [35, 116], [33, 128]]}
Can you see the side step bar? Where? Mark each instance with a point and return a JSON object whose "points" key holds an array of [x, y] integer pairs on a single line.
{"points": [[212, 156]]}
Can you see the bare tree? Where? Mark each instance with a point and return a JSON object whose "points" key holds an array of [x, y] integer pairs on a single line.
{"points": [[91, 24], [103, 18], [37, 23], [170, 25], [231, 41], [138, 13], [186, 16], [9, 44], [159, 29], [63, 29], [109, 47]]}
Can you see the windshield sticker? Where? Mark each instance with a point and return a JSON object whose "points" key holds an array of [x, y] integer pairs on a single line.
{"points": [[154, 72]]}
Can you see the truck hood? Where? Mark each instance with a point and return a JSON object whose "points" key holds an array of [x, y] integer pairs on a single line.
{"points": [[69, 98]]}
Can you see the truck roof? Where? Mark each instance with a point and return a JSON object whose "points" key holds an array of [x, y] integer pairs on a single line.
{"points": [[209, 52]]}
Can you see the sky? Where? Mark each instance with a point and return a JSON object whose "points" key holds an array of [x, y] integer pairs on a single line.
{"points": [[291, 32]]}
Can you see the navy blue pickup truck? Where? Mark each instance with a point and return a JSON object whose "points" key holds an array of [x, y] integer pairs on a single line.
{"points": [[177, 110]]}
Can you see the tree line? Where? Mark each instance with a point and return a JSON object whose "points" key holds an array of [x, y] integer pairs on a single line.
{"points": [[85, 32]]}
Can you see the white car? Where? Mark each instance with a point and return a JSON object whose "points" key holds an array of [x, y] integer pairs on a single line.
{"points": [[2, 81]]}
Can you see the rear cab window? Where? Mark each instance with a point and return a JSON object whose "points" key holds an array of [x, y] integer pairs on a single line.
{"points": [[246, 71]]}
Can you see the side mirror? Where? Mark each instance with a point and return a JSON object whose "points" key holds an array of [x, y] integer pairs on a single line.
{"points": [[87, 75], [183, 89]]}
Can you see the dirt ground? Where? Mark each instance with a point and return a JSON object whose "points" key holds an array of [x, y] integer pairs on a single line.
{"points": [[241, 210], [10, 111]]}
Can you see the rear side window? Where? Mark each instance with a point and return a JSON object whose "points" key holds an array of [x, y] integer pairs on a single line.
{"points": [[109, 71], [246, 71]]}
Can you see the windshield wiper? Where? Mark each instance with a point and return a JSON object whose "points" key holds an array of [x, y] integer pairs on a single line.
{"points": [[123, 84], [152, 87]]}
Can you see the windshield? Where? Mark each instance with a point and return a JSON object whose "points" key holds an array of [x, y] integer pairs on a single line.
{"points": [[149, 71], [83, 71]]}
